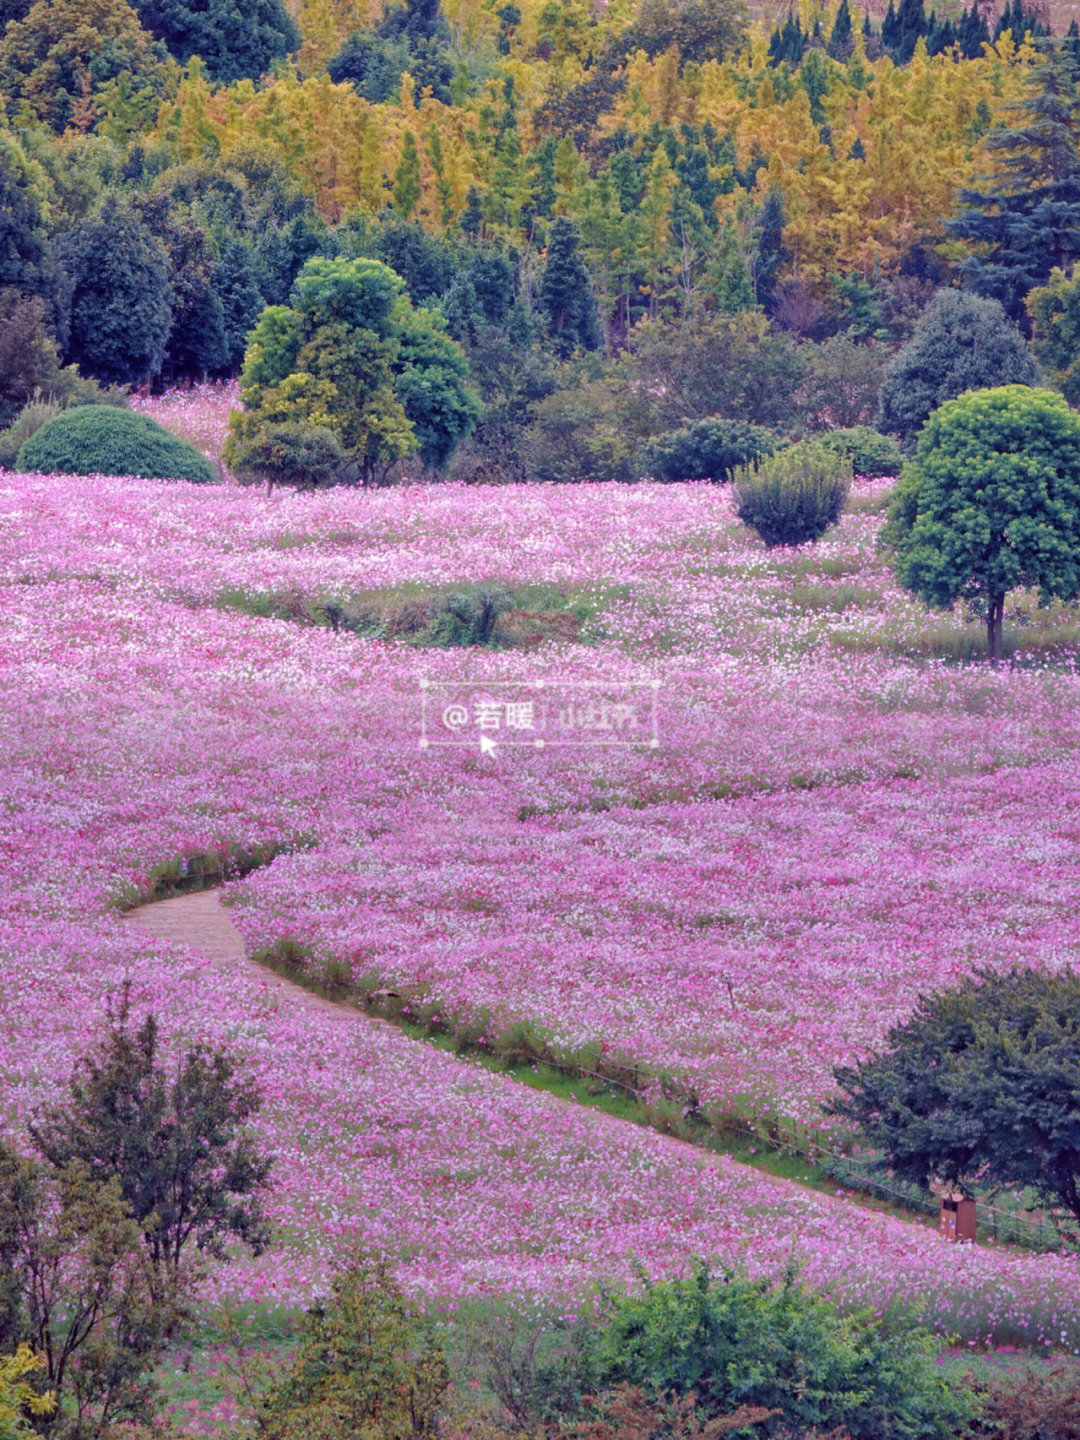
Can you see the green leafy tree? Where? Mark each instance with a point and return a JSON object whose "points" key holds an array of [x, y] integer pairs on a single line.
{"points": [[63, 53], [233, 41], [990, 502], [565, 297], [173, 1136], [1025, 219], [705, 365], [980, 1087], [1054, 309], [350, 354], [78, 1289], [25, 263], [432, 384], [367, 1364], [960, 343], [121, 297], [697, 29], [843, 381], [707, 450]]}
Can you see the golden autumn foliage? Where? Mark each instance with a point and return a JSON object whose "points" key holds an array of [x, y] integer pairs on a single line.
{"points": [[868, 167]]}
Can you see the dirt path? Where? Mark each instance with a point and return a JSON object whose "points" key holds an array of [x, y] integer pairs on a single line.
{"points": [[200, 921]]}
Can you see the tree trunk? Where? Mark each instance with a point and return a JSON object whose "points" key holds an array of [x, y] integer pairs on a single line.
{"points": [[995, 609]]}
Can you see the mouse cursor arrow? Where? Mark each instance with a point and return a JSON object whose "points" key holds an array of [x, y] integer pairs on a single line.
{"points": [[487, 745]]}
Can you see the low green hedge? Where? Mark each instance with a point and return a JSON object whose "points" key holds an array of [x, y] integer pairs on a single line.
{"points": [[104, 440]]}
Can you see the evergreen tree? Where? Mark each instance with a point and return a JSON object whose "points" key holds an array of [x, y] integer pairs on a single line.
{"points": [[841, 39], [1026, 219], [910, 25], [370, 63], [566, 298], [769, 237], [472, 217], [241, 301], [233, 41], [974, 33], [1019, 22], [121, 297], [407, 186], [960, 343], [890, 30], [425, 262]]}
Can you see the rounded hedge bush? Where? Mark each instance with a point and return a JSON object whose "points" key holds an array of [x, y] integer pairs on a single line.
{"points": [[793, 497], [871, 453], [707, 449], [104, 440]]}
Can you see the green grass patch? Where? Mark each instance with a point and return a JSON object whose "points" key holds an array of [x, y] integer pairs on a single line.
{"points": [[484, 613]]}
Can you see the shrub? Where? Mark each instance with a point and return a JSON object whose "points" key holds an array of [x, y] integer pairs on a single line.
{"points": [[960, 343], [70, 388], [27, 422], [103, 440], [368, 1363], [793, 497], [871, 453], [1033, 1406], [733, 1341], [468, 618], [707, 450], [290, 454]]}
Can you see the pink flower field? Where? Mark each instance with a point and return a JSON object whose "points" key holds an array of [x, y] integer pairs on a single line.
{"points": [[825, 827]]}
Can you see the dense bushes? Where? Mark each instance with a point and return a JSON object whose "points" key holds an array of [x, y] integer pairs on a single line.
{"points": [[793, 497], [104, 440], [871, 453], [732, 1341], [309, 457], [707, 450], [960, 343]]}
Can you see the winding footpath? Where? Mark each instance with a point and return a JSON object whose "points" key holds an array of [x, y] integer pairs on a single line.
{"points": [[202, 923]]}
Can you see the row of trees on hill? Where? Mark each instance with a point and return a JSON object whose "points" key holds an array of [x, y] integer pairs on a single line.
{"points": [[585, 304]]}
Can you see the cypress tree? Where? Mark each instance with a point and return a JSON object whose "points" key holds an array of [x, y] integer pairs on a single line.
{"points": [[974, 32], [840, 40], [566, 298], [890, 31], [1026, 219], [407, 186]]}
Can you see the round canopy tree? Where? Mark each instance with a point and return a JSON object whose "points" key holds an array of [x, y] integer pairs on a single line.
{"points": [[980, 1085], [961, 342], [990, 503]]}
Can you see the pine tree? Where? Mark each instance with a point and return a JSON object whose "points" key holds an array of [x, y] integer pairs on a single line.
{"points": [[407, 186], [1026, 220], [841, 39], [974, 33], [566, 298]]}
